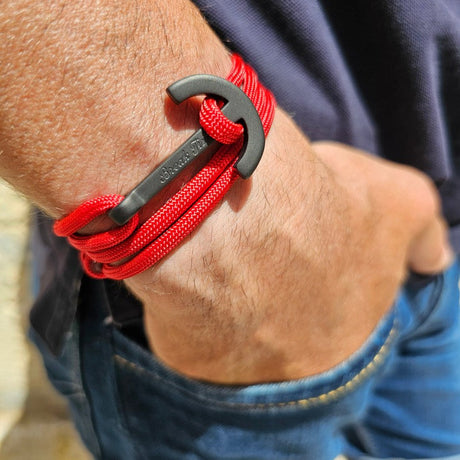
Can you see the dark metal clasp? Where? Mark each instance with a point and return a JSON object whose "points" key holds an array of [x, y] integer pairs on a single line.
{"points": [[238, 108]]}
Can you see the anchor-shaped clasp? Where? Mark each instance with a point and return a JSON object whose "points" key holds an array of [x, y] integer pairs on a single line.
{"points": [[238, 108]]}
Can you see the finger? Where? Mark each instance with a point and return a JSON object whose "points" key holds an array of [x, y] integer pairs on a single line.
{"points": [[430, 251], [409, 196]]}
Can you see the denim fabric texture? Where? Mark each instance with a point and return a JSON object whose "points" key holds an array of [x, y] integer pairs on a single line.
{"points": [[397, 397]]}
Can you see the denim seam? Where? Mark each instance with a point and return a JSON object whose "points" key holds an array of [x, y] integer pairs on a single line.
{"points": [[324, 398], [120, 423]]}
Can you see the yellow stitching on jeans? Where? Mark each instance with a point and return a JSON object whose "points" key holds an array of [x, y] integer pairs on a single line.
{"points": [[345, 388], [320, 399]]}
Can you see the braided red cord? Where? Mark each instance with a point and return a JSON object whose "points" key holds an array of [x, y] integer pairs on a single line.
{"points": [[141, 246]]}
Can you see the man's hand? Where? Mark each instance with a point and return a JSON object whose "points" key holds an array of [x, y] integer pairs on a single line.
{"points": [[291, 273]]}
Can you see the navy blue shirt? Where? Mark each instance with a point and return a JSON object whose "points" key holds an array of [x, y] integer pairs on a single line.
{"points": [[383, 76]]}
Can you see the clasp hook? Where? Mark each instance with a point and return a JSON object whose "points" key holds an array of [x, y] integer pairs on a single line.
{"points": [[238, 108]]}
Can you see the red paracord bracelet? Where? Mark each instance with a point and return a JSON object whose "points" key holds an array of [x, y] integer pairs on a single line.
{"points": [[141, 246]]}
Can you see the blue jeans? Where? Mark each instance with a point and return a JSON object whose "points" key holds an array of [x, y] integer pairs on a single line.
{"points": [[397, 397]]}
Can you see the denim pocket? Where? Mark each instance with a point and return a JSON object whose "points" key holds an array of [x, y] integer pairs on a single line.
{"points": [[415, 408], [172, 417]]}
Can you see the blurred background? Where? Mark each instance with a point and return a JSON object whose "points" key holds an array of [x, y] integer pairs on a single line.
{"points": [[34, 422]]}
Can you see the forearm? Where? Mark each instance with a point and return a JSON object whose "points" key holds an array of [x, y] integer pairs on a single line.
{"points": [[82, 93]]}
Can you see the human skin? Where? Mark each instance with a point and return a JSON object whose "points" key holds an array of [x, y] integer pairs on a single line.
{"points": [[291, 273]]}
